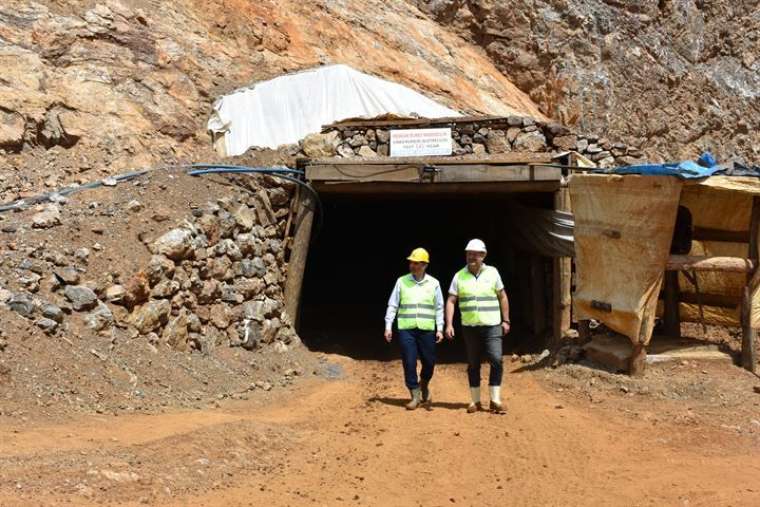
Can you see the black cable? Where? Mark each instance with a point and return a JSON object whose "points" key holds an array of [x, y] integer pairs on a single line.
{"points": [[216, 169]]}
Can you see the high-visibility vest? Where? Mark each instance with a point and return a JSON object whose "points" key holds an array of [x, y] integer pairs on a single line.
{"points": [[416, 309], [478, 303]]}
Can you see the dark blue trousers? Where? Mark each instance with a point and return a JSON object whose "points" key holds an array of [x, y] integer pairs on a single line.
{"points": [[479, 339], [417, 343]]}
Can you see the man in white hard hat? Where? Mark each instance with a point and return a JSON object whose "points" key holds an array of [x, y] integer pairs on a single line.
{"points": [[418, 300], [484, 308]]}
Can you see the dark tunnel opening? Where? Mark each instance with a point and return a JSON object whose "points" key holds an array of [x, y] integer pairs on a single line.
{"points": [[362, 249]]}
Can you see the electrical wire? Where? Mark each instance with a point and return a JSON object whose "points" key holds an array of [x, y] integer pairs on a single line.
{"points": [[283, 172]]}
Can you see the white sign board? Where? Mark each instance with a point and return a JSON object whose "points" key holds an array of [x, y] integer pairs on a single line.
{"points": [[420, 142]]}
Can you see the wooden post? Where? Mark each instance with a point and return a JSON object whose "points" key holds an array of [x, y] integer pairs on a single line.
{"points": [[561, 280], [638, 362], [749, 359], [298, 254], [537, 289], [672, 316], [748, 333]]}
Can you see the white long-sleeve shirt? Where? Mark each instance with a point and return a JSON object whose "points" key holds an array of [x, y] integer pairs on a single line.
{"points": [[394, 300]]}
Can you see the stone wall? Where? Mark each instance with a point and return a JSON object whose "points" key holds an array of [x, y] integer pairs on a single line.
{"points": [[476, 139], [215, 277]]}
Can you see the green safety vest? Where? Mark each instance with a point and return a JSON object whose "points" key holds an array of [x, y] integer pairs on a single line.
{"points": [[477, 297], [416, 309]]}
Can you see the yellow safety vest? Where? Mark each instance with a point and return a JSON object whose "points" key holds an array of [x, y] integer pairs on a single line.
{"points": [[416, 308], [477, 297]]}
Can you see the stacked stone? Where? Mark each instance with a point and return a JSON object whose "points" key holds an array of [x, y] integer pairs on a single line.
{"points": [[477, 139], [217, 280]]}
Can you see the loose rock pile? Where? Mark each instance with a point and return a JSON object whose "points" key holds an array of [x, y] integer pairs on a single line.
{"points": [[478, 139]]}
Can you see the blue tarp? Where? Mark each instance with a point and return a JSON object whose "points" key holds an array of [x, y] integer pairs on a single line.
{"points": [[705, 166]]}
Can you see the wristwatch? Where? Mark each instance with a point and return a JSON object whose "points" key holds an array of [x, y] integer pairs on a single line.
{"points": [[506, 322]]}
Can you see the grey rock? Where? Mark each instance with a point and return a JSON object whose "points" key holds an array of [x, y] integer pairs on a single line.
{"points": [[582, 145], [175, 244], [100, 318], [69, 275], [22, 304], [159, 267], [53, 312], [165, 289], [82, 255], [33, 265], [227, 247], [81, 297], [249, 268], [345, 151], [134, 206], [47, 325], [357, 141], [46, 219], [514, 121], [594, 148]]}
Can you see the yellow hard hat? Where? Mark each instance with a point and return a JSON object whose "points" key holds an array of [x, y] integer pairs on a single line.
{"points": [[419, 255]]}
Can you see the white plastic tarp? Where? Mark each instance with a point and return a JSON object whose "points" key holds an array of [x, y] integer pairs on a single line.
{"points": [[286, 109]]}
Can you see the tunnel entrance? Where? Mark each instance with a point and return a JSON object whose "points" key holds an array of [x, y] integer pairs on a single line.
{"points": [[373, 220], [362, 250]]}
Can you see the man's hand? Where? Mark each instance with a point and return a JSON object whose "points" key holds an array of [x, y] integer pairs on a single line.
{"points": [[438, 337], [450, 332], [505, 328], [388, 335]]}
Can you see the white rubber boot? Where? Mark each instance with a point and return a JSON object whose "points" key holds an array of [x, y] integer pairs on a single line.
{"points": [[496, 405], [416, 399]]}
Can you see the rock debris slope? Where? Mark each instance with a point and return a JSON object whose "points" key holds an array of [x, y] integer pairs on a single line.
{"points": [[673, 76]]}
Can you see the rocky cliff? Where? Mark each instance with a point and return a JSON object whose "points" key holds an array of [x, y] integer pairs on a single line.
{"points": [[673, 76], [91, 88]]}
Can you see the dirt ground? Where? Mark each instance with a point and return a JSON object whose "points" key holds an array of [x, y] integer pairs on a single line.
{"points": [[565, 440]]}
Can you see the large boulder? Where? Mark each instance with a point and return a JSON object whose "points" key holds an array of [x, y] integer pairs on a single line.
{"points": [[100, 318], [81, 297], [530, 141], [176, 331], [151, 316], [320, 145], [175, 244]]}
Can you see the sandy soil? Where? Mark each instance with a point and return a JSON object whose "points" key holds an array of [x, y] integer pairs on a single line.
{"points": [[349, 441]]}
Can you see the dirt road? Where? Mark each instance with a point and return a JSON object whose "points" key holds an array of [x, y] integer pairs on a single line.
{"points": [[350, 442]]}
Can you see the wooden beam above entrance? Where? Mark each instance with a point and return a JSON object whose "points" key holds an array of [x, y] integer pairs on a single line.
{"points": [[436, 171]]}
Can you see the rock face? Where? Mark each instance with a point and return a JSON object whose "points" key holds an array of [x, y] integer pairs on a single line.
{"points": [[674, 77], [117, 84]]}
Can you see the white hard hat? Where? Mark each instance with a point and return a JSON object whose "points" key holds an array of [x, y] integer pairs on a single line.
{"points": [[475, 245]]}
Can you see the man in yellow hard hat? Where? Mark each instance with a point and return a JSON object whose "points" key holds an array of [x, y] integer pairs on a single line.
{"points": [[484, 308], [418, 302]]}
